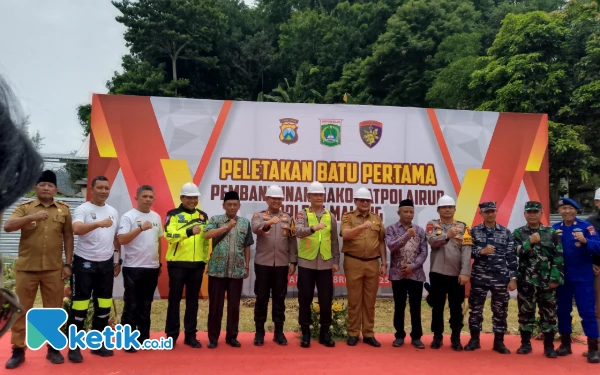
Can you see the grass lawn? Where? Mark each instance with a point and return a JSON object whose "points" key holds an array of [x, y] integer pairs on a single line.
{"points": [[384, 316]]}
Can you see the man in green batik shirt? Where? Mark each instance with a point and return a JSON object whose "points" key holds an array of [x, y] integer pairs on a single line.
{"points": [[541, 271], [227, 268]]}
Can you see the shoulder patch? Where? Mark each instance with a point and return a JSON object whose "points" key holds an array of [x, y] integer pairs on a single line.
{"points": [[24, 203], [63, 203], [429, 228], [591, 229]]}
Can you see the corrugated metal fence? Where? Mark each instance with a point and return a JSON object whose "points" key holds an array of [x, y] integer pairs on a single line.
{"points": [[9, 242]]}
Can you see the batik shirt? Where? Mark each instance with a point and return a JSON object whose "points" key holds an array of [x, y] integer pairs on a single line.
{"points": [[228, 258]]}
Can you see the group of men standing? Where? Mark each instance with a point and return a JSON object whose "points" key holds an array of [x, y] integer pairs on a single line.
{"points": [[530, 260]]}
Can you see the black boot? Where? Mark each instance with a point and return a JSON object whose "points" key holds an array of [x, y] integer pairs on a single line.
{"points": [[474, 342], [279, 337], [565, 345], [54, 356], [455, 341], [526, 343], [549, 345], [438, 341], [499, 343], [305, 339], [18, 357], [325, 337], [75, 355], [259, 336], [593, 355]]}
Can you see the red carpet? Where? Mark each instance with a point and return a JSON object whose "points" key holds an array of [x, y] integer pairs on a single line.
{"points": [[293, 359]]}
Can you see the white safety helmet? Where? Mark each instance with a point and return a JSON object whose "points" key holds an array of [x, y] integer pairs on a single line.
{"points": [[597, 195], [316, 187], [274, 191], [189, 189], [446, 201], [362, 193]]}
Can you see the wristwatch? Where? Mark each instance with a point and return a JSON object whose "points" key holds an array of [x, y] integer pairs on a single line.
{"points": [[120, 262], [68, 265]]}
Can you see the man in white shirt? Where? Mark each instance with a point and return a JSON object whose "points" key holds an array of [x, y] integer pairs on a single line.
{"points": [[94, 268], [140, 232]]}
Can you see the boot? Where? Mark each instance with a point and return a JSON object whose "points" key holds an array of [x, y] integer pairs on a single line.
{"points": [[325, 337], [438, 341], [526, 343], [102, 352], [279, 337], [259, 336], [473, 343], [499, 343], [565, 345], [593, 355], [18, 357], [75, 355], [549, 345], [54, 356], [455, 341], [305, 339]]}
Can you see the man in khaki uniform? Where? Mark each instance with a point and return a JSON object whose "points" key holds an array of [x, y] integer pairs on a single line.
{"points": [[275, 258], [45, 226], [450, 269], [364, 244]]}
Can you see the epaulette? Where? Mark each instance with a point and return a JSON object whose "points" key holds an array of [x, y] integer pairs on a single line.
{"points": [[61, 202], [173, 211], [24, 203]]}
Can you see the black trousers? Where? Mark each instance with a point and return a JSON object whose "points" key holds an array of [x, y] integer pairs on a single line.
{"points": [[270, 280], [139, 284], [414, 289], [440, 286], [91, 279], [217, 287], [191, 278], [307, 279]]}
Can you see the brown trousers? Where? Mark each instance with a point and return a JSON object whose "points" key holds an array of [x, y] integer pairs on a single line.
{"points": [[26, 288], [362, 282]]}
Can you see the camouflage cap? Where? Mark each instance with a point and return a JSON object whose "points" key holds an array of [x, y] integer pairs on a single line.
{"points": [[533, 206], [486, 206]]}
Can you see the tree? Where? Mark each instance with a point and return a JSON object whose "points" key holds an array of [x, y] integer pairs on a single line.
{"points": [[174, 29], [141, 78], [401, 67], [37, 140]]}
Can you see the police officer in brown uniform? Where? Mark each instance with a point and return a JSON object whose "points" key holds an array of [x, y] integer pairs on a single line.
{"points": [[45, 225], [275, 258], [364, 244]]}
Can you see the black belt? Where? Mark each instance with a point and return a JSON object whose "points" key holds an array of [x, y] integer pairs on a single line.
{"points": [[363, 259]]}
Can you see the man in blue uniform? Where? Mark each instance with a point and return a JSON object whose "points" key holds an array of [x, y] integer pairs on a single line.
{"points": [[580, 241]]}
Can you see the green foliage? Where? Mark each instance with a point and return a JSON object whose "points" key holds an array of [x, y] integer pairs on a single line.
{"points": [[339, 314], [540, 56]]}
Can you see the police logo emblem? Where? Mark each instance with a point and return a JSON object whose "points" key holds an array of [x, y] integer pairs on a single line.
{"points": [[87, 265], [578, 244], [370, 132], [331, 132], [93, 215], [289, 130], [139, 223]]}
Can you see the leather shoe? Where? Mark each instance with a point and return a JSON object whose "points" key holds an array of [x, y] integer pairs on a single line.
{"points": [[212, 345], [371, 341], [352, 340], [418, 344], [233, 342], [103, 352], [193, 342], [75, 356], [54, 356], [398, 342]]}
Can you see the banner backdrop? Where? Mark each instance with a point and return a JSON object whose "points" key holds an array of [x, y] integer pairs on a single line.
{"points": [[397, 153]]}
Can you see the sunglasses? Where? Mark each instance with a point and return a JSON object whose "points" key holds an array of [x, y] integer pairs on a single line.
{"points": [[10, 309]]}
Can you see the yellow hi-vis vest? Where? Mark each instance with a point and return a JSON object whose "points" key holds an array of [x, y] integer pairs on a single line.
{"points": [[318, 242]]}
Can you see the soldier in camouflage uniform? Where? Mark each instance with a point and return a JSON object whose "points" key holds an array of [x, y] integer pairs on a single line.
{"points": [[494, 270], [541, 270]]}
